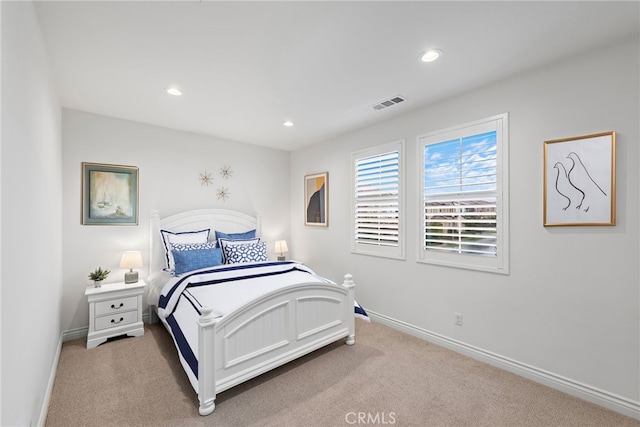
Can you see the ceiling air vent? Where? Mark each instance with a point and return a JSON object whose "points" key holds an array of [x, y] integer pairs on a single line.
{"points": [[389, 102]]}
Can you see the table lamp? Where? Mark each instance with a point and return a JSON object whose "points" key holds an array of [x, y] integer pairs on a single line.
{"points": [[281, 248], [131, 260]]}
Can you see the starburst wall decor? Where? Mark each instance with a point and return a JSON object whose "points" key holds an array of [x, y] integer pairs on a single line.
{"points": [[206, 178], [223, 194], [226, 172]]}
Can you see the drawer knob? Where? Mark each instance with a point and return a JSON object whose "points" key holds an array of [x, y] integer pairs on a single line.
{"points": [[114, 320], [120, 306]]}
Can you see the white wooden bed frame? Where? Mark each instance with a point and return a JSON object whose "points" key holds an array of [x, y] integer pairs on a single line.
{"points": [[263, 334]]}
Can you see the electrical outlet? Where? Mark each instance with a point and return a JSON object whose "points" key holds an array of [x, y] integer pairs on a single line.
{"points": [[458, 318]]}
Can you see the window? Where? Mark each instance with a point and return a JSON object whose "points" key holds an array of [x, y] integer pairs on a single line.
{"points": [[377, 203], [464, 210]]}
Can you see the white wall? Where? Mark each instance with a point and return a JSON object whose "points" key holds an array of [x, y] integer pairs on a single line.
{"points": [[571, 303], [31, 179], [170, 163], [0, 210]]}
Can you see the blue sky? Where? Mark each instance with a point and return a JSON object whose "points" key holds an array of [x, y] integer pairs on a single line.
{"points": [[466, 164]]}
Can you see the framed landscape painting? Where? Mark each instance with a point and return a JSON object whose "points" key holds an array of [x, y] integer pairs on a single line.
{"points": [[580, 180], [316, 196], [109, 194]]}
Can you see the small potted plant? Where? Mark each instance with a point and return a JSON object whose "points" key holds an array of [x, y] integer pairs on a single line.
{"points": [[98, 275]]}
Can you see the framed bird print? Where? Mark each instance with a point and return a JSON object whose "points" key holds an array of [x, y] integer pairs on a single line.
{"points": [[580, 180]]}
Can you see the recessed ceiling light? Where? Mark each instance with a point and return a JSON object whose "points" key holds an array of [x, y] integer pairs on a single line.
{"points": [[287, 123], [430, 55], [173, 90]]}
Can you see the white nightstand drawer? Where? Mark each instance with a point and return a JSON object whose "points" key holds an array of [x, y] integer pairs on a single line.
{"points": [[116, 305], [118, 319], [115, 309]]}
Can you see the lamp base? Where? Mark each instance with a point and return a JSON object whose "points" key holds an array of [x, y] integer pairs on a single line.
{"points": [[281, 258], [131, 277]]}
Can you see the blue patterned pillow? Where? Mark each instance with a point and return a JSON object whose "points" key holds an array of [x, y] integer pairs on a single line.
{"points": [[246, 252], [223, 243], [192, 256], [191, 246]]}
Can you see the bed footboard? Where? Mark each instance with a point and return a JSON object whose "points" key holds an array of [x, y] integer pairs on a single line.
{"points": [[264, 334]]}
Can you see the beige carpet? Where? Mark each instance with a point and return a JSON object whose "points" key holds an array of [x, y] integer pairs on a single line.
{"points": [[387, 378]]}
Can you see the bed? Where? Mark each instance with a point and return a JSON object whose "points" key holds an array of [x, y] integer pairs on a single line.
{"points": [[234, 321]]}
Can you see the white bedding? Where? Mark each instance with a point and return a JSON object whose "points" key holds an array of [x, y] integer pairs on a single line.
{"points": [[223, 288], [226, 287]]}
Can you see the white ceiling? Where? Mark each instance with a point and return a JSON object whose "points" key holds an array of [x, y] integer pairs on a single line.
{"points": [[245, 67]]}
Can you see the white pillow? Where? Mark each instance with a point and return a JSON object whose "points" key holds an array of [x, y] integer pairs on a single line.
{"points": [[169, 237]]}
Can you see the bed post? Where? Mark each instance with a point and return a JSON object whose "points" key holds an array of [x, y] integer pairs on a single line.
{"points": [[154, 231], [349, 285], [206, 361], [258, 224]]}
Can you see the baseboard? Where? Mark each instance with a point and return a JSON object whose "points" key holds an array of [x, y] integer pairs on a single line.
{"points": [[74, 334], [586, 392], [52, 377], [77, 333]]}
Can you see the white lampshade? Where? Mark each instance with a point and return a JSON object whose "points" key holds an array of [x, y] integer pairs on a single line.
{"points": [[281, 247], [131, 260]]}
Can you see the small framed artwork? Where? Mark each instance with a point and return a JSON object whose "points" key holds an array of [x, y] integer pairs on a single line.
{"points": [[109, 194], [580, 180], [316, 197]]}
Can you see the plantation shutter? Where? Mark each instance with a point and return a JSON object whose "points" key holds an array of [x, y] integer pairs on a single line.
{"points": [[376, 202], [460, 195]]}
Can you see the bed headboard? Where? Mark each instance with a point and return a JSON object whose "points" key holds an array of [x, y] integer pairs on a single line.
{"points": [[223, 220]]}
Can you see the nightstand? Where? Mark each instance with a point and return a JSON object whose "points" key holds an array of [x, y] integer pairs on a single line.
{"points": [[114, 309]]}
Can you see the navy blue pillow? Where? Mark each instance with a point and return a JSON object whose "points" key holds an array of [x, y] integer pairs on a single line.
{"points": [[251, 234]]}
